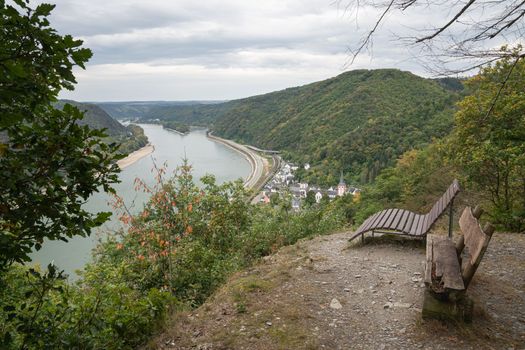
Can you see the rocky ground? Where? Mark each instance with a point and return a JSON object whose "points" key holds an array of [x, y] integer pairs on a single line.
{"points": [[328, 294]]}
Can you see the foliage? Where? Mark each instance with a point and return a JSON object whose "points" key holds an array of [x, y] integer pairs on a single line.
{"points": [[133, 140], [189, 240], [417, 180], [359, 122], [488, 141], [173, 125], [182, 246], [40, 310], [49, 164]]}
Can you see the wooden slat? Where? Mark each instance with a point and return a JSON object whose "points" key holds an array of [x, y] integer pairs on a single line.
{"points": [[385, 219], [378, 219], [364, 226], [442, 271], [393, 216], [426, 223], [440, 206], [413, 228], [403, 220], [419, 229], [398, 217], [408, 223], [474, 237], [433, 212], [368, 222]]}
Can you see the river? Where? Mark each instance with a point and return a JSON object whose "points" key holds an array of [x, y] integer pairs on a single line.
{"points": [[205, 156]]}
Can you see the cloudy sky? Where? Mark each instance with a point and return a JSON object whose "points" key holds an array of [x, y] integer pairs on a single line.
{"points": [[221, 49]]}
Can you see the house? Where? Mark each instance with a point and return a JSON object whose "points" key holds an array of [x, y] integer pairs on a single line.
{"points": [[331, 193], [318, 196], [341, 187]]}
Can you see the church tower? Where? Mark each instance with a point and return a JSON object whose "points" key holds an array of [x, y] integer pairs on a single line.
{"points": [[341, 188]]}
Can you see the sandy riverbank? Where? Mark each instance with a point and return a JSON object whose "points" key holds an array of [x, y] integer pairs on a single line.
{"points": [[136, 156]]}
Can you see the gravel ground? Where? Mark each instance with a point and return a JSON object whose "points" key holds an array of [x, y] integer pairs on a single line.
{"points": [[328, 294]]}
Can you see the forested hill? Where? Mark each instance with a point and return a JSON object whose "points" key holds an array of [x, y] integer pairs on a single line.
{"points": [[131, 137], [95, 117], [359, 122]]}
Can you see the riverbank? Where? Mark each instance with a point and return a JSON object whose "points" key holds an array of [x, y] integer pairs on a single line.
{"points": [[136, 156], [175, 131], [258, 164]]}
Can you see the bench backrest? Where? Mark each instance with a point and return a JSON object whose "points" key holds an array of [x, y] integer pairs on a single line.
{"points": [[474, 242], [442, 203]]}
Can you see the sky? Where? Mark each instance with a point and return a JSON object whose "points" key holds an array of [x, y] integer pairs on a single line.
{"points": [[222, 49]]}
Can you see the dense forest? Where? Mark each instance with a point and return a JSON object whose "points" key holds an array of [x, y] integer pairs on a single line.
{"points": [[359, 122]]}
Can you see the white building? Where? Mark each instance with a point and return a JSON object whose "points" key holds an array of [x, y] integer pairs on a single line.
{"points": [[318, 196]]}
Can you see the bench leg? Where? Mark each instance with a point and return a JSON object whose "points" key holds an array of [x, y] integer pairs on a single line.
{"points": [[460, 310], [363, 238]]}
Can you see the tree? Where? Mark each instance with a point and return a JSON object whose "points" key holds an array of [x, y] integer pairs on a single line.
{"points": [[310, 198], [49, 165], [471, 34], [489, 138]]}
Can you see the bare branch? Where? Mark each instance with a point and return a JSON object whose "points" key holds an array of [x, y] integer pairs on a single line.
{"points": [[371, 32], [452, 21], [481, 22]]}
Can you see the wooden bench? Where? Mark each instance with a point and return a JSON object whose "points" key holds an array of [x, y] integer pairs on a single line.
{"points": [[450, 268], [404, 222]]}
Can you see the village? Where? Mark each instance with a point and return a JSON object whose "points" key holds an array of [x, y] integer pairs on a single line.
{"points": [[284, 183]]}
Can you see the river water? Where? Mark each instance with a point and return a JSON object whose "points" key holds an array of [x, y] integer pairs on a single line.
{"points": [[205, 156]]}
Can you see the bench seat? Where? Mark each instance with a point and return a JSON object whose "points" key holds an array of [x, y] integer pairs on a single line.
{"points": [[442, 271], [405, 222]]}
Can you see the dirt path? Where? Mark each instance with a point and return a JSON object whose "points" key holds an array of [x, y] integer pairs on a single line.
{"points": [[327, 294]]}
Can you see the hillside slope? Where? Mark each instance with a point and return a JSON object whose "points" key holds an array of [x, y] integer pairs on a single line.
{"points": [[358, 122], [131, 137], [327, 294]]}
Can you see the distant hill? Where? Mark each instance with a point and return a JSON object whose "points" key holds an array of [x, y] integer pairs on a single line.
{"points": [[186, 112], [359, 122], [97, 118], [131, 137]]}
